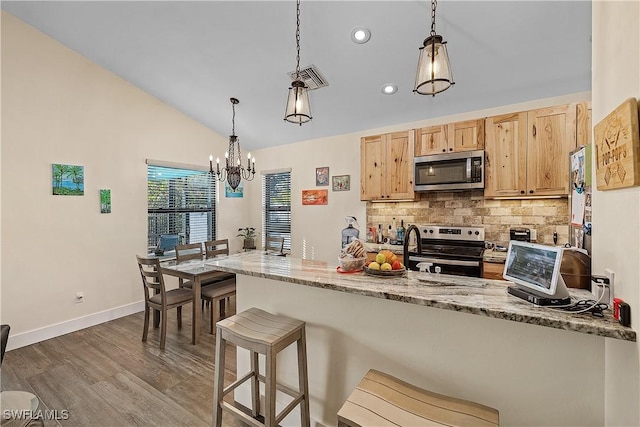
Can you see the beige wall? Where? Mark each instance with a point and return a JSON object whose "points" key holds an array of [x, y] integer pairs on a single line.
{"points": [[57, 107], [616, 213]]}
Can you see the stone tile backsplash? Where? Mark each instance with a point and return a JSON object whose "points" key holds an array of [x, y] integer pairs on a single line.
{"points": [[470, 208]]}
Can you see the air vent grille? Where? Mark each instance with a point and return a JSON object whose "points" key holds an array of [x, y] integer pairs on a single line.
{"points": [[311, 77]]}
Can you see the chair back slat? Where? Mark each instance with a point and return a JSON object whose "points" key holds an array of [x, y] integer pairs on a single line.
{"points": [[188, 252], [275, 244], [152, 279], [214, 248]]}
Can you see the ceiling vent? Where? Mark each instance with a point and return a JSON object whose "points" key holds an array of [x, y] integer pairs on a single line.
{"points": [[311, 77]]}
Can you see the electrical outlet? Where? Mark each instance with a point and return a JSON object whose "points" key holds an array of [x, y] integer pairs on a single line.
{"points": [[79, 297], [534, 235], [610, 275]]}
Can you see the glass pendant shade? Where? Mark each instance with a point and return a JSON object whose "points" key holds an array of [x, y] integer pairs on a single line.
{"points": [[298, 108], [434, 72]]}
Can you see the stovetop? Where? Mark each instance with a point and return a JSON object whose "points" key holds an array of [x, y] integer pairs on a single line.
{"points": [[452, 242]]}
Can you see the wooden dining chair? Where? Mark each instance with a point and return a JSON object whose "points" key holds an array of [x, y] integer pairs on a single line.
{"points": [[188, 252], [224, 286], [157, 297], [274, 244]]}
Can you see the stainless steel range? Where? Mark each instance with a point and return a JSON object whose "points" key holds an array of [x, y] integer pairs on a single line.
{"points": [[456, 250]]}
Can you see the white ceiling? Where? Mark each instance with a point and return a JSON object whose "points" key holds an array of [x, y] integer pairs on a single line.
{"points": [[196, 55]]}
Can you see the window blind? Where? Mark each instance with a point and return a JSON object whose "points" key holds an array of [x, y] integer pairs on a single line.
{"points": [[276, 200], [180, 201]]}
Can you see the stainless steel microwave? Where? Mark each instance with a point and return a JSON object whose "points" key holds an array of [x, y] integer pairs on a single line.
{"points": [[450, 171]]}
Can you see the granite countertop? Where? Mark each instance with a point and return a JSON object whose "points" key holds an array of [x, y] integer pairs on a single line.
{"points": [[477, 296], [491, 255]]}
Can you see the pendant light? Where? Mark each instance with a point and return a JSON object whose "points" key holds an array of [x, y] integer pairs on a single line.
{"points": [[233, 172], [434, 70], [298, 108]]}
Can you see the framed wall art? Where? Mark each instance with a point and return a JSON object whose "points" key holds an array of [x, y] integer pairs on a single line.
{"points": [[68, 180], [315, 197], [341, 182], [105, 201], [230, 192], [322, 176]]}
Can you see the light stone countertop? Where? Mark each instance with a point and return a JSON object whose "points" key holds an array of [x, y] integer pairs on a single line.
{"points": [[491, 255], [477, 296]]}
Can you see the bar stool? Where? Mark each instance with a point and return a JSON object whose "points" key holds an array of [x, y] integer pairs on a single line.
{"points": [[261, 333], [382, 400]]}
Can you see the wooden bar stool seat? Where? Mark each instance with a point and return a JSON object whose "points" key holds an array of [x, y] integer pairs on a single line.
{"points": [[383, 400], [261, 333]]}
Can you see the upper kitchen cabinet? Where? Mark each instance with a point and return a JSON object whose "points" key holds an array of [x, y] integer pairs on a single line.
{"points": [[583, 124], [453, 137], [386, 166], [527, 153]]}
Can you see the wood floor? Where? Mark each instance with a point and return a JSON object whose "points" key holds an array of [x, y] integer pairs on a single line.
{"points": [[106, 376]]}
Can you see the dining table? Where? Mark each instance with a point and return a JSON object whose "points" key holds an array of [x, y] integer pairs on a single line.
{"points": [[198, 272]]}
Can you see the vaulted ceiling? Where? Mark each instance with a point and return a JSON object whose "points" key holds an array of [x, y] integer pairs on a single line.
{"points": [[195, 55]]}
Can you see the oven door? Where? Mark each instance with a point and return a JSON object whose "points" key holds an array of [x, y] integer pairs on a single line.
{"points": [[458, 267]]}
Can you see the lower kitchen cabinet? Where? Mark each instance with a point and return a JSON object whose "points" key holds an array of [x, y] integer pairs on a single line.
{"points": [[492, 270]]}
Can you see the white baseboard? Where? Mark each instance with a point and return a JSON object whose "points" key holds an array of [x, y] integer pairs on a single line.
{"points": [[41, 334]]}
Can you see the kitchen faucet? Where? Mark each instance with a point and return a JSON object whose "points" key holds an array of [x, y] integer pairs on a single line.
{"points": [[407, 236]]}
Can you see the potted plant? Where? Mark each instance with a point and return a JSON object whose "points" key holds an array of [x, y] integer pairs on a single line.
{"points": [[249, 234]]}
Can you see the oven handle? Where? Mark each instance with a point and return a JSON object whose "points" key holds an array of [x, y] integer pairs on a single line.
{"points": [[445, 261]]}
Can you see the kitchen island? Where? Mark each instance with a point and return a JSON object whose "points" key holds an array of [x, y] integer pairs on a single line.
{"points": [[464, 337]]}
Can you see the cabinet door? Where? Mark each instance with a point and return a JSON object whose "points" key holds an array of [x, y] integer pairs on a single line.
{"points": [[372, 151], [552, 136], [583, 124], [431, 140], [399, 166], [505, 155], [466, 136]]}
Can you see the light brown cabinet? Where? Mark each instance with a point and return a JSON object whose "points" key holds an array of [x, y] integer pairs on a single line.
{"points": [[492, 270], [527, 153], [449, 138], [386, 166], [583, 124]]}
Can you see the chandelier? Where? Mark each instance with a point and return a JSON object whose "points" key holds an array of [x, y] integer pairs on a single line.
{"points": [[434, 70], [233, 171], [298, 108]]}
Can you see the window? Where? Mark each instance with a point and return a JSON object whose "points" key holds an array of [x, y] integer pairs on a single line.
{"points": [[181, 202], [276, 199]]}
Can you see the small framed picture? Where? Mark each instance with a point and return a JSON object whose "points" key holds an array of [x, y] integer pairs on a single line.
{"points": [[341, 182], [322, 176]]}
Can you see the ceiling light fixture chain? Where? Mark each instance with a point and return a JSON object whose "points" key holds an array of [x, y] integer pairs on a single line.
{"points": [[298, 109], [434, 70], [298, 39], [434, 4], [233, 172]]}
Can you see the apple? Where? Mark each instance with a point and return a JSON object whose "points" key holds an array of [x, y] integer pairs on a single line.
{"points": [[374, 266], [385, 267], [396, 265], [380, 258]]}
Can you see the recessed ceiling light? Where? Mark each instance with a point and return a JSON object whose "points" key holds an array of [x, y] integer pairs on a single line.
{"points": [[389, 89], [360, 35]]}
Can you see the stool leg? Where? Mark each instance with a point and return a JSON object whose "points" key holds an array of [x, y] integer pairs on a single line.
{"points": [[303, 382], [255, 385], [270, 389], [218, 383]]}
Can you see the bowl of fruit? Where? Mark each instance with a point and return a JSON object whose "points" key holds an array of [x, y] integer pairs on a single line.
{"points": [[386, 264]]}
